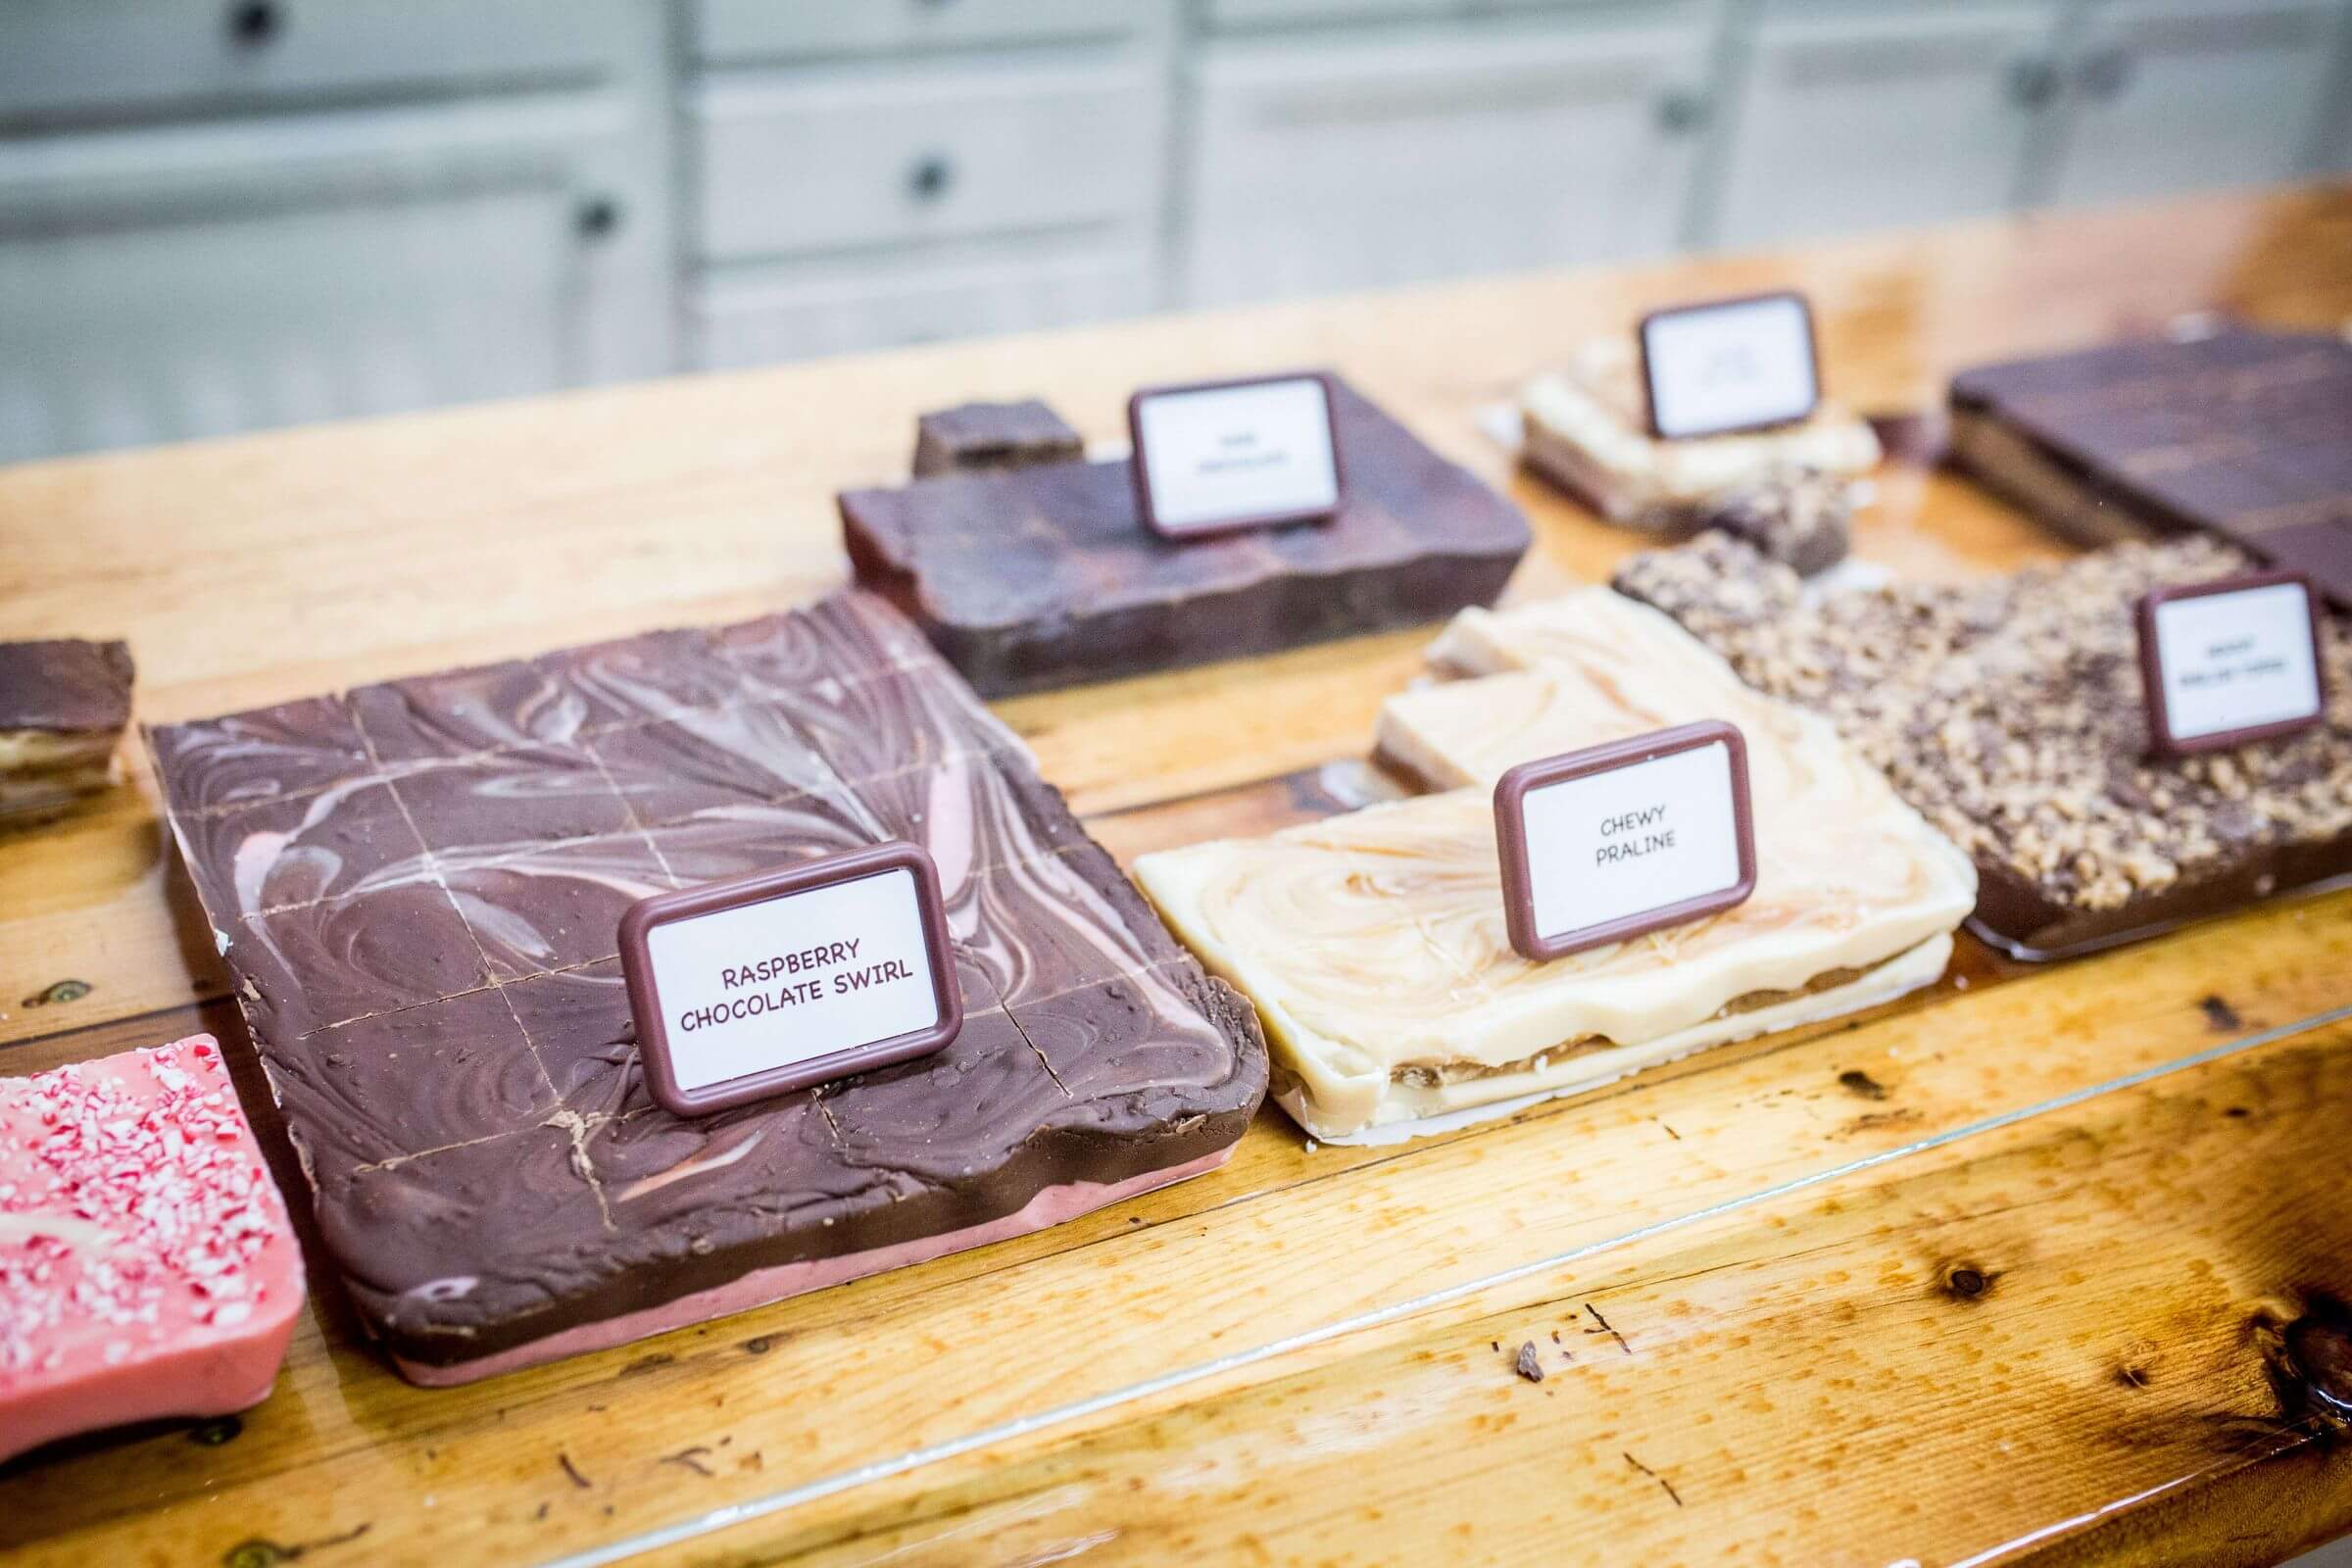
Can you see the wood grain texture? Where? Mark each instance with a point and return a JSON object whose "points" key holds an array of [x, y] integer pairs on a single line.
{"points": [[1934, 1359]]}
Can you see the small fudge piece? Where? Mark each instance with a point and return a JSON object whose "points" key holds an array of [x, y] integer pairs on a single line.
{"points": [[147, 1268], [2010, 712], [975, 436], [1585, 426], [1801, 518], [63, 707]]}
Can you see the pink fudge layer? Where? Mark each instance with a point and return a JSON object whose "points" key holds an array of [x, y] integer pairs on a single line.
{"points": [[146, 1265], [760, 1287]]}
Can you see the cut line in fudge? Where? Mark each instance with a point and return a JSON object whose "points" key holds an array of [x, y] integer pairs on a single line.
{"points": [[446, 1032]]}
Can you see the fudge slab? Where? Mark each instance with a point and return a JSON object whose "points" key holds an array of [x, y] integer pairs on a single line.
{"points": [[2010, 712], [2244, 434], [64, 704], [1046, 576], [419, 887], [1585, 427], [147, 1267], [1375, 946]]}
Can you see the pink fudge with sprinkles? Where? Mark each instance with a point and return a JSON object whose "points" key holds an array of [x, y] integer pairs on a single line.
{"points": [[146, 1265]]}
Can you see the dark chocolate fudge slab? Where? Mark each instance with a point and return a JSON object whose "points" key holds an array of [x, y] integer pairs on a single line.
{"points": [[2010, 712], [66, 685], [1045, 576], [2244, 434], [421, 887]]}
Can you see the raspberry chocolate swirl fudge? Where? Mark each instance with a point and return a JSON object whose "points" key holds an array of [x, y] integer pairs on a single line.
{"points": [[419, 889], [1375, 944], [2010, 712]]}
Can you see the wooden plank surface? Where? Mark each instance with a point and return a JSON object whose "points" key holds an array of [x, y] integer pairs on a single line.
{"points": [[2066, 1336]]}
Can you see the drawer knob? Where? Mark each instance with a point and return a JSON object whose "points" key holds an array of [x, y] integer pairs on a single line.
{"points": [[255, 22], [2105, 74], [931, 178], [597, 217], [1684, 111], [2032, 82]]}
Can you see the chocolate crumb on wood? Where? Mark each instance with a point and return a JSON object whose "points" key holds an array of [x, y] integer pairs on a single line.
{"points": [[1528, 1364]]}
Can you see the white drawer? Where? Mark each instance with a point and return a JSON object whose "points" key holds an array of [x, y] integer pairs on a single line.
{"points": [[84, 57], [906, 156], [2171, 95], [736, 32], [737, 322], [1882, 119], [1323, 165]]}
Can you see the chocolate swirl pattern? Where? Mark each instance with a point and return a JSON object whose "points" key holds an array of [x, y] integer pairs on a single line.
{"points": [[420, 886]]}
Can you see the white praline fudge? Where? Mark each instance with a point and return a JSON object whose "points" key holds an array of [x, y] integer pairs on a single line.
{"points": [[1374, 944]]}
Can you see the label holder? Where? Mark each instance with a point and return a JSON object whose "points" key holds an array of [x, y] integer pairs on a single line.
{"points": [[641, 918], [2161, 739], [1518, 875], [1140, 470], [1649, 396]]}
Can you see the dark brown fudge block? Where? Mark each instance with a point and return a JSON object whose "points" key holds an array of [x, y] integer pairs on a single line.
{"points": [[421, 887], [2244, 434], [975, 437], [1046, 576], [2009, 711]]}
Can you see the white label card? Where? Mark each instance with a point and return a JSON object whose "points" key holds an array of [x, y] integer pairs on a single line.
{"points": [[1741, 365], [1607, 843], [2236, 660], [767, 985], [1213, 458]]}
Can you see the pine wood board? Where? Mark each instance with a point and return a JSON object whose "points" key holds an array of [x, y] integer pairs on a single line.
{"points": [[490, 531]]}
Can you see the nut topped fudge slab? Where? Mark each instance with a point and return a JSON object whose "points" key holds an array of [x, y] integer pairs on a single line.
{"points": [[63, 705], [1375, 944], [419, 886], [147, 1266], [1046, 576], [2010, 712]]}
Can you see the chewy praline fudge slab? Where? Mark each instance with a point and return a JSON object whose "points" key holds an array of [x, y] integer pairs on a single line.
{"points": [[2010, 712], [147, 1267], [1046, 576], [1374, 944], [420, 886]]}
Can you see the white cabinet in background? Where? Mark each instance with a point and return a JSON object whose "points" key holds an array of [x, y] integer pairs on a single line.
{"points": [[913, 156], [1876, 116], [158, 283], [1328, 162], [2177, 95]]}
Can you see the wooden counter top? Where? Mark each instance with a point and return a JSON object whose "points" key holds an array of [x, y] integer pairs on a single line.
{"points": [[1825, 1296]]}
